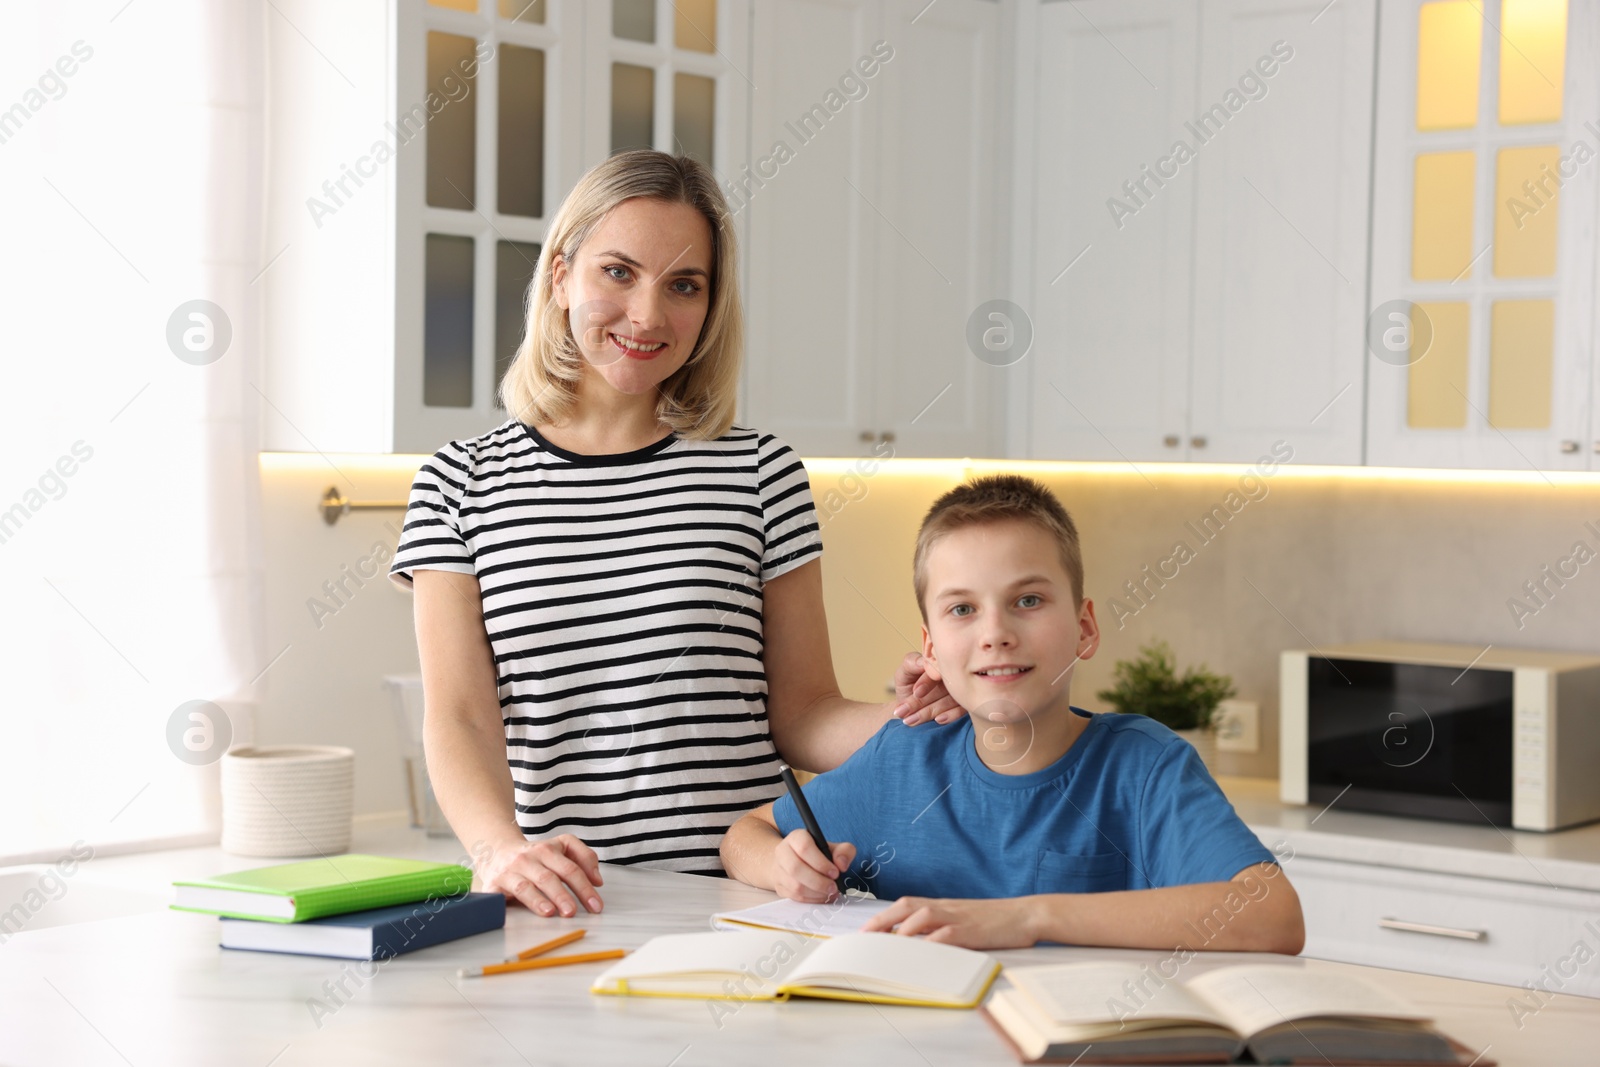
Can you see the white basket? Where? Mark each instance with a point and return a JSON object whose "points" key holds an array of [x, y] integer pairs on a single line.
{"points": [[287, 800]]}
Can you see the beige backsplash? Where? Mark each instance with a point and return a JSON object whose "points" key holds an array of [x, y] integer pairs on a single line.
{"points": [[1309, 561], [1331, 558]]}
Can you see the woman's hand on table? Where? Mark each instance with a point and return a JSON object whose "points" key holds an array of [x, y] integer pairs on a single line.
{"points": [[550, 877], [979, 924], [920, 698]]}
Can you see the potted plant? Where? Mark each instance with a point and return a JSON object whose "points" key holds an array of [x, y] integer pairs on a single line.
{"points": [[1187, 705]]}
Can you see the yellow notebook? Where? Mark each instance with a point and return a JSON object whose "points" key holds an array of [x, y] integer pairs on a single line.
{"points": [[876, 968]]}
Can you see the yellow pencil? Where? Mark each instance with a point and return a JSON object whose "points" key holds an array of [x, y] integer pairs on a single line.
{"points": [[552, 961], [548, 946]]}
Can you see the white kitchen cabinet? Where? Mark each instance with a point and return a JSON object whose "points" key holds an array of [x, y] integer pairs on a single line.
{"points": [[1281, 231], [1200, 189], [1461, 899], [1457, 234], [1109, 293], [355, 106], [1512, 933], [417, 151], [876, 225]]}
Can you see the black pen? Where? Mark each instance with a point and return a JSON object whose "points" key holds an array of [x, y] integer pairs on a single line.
{"points": [[810, 820]]}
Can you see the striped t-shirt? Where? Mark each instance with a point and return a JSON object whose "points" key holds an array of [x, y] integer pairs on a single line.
{"points": [[622, 598]]}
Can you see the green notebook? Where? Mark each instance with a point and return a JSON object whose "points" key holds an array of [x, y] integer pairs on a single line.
{"points": [[295, 892]]}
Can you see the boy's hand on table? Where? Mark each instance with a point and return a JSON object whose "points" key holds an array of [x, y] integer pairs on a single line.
{"points": [[979, 924], [919, 697], [550, 877], [803, 873]]}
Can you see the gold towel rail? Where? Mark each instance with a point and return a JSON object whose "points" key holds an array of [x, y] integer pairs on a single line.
{"points": [[334, 505]]}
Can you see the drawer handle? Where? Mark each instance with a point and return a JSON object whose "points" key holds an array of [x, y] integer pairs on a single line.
{"points": [[1428, 928]]}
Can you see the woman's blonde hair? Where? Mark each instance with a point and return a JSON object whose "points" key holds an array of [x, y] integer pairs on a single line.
{"points": [[698, 400]]}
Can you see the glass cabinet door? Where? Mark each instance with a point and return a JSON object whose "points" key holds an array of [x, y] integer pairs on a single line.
{"points": [[501, 105], [671, 75], [488, 116], [1483, 243]]}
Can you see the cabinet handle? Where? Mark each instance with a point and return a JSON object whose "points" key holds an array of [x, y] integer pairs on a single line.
{"points": [[1428, 928], [1569, 446], [1172, 440], [887, 437], [868, 436], [1197, 441]]}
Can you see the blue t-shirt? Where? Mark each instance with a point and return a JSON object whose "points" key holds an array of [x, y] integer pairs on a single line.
{"points": [[1129, 806]]}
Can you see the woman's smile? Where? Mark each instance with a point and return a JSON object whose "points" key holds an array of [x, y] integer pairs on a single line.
{"points": [[637, 348]]}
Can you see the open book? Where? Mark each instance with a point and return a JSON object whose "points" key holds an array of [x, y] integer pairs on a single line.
{"points": [[1127, 1013], [879, 968]]}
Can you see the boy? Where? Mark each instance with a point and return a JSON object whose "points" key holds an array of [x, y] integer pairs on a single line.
{"points": [[1033, 820]]}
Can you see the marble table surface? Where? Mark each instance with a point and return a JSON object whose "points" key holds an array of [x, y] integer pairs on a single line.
{"points": [[153, 988]]}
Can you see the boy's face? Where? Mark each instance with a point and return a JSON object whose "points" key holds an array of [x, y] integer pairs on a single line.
{"points": [[1003, 633]]}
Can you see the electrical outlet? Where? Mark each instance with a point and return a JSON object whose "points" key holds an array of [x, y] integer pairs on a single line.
{"points": [[1238, 726]]}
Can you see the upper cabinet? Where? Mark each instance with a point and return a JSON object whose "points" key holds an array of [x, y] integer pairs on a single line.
{"points": [[1109, 240], [1483, 243], [1200, 204], [1281, 214], [876, 225], [417, 151], [473, 197], [1118, 230]]}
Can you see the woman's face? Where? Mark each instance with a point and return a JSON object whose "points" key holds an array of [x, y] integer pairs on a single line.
{"points": [[637, 292]]}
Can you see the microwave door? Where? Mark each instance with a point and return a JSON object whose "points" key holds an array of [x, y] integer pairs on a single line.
{"points": [[1410, 739]]}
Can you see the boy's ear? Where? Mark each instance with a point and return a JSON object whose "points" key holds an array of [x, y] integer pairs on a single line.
{"points": [[1088, 630], [930, 662]]}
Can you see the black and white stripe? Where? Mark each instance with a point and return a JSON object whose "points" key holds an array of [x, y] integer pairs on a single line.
{"points": [[622, 597]]}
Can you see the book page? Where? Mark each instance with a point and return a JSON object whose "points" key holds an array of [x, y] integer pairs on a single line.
{"points": [[750, 964], [819, 920], [1171, 1042], [1133, 996], [1254, 997], [892, 965]]}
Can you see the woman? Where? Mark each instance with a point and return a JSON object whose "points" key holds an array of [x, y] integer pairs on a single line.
{"points": [[618, 592]]}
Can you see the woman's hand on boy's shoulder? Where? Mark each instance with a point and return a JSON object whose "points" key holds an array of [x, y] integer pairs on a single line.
{"points": [[979, 924], [919, 697]]}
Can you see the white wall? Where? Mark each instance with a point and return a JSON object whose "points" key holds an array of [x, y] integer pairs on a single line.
{"points": [[327, 687]]}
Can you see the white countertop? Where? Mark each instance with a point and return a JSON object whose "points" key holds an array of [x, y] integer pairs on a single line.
{"points": [[154, 988], [1568, 859]]}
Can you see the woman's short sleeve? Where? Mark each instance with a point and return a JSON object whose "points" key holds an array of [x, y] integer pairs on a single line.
{"points": [[431, 538], [788, 513]]}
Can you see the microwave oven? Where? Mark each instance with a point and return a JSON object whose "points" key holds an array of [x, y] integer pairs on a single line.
{"points": [[1505, 736]]}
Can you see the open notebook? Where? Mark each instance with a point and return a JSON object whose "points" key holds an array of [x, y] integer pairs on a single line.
{"points": [[1126, 1013], [843, 916], [756, 965]]}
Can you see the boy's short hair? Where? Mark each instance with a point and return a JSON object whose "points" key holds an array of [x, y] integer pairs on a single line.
{"points": [[998, 498]]}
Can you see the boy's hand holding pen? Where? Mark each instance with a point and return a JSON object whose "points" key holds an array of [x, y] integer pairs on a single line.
{"points": [[805, 871]]}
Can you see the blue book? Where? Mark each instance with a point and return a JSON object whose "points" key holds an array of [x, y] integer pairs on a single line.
{"points": [[375, 934]]}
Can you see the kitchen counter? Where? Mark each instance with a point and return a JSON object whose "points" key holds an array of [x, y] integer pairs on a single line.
{"points": [[1566, 859]]}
